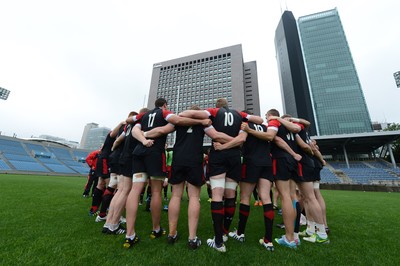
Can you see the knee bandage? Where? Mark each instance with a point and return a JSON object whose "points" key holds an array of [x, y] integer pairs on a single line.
{"points": [[113, 181], [220, 182], [231, 185], [139, 178]]}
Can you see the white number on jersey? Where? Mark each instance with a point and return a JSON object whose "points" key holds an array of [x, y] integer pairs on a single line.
{"points": [[258, 128], [228, 119], [151, 120], [290, 136]]}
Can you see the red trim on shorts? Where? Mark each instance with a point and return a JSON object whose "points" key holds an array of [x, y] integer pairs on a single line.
{"points": [[105, 167], [244, 169], [300, 167], [164, 162], [274, 167]]}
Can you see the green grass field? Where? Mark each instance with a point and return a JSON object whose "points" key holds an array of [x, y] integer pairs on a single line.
{"points": [[44, 221]]}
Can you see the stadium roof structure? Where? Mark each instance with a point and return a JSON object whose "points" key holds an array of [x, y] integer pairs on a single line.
{"points": [[358, 143]]}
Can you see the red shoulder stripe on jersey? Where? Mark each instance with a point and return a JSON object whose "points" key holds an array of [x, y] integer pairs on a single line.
{"points": [[274, 123], [165, 113], [213, 111]]}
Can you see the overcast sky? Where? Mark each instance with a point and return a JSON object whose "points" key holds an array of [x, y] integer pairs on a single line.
{"points": [[69, 63]]}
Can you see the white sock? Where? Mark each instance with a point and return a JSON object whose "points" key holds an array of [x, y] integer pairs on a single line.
{"points": [[113, 227], [132, 237], [321, 230], [310, 227]]}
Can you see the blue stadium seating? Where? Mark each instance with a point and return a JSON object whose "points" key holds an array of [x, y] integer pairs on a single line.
{"points": [[4, 166], [30, 156], [328, 177], [28, 166]]}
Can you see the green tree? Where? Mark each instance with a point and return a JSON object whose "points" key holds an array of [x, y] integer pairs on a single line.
{"points": [[396, 144]]}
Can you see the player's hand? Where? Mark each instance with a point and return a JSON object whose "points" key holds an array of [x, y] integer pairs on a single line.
{"points": [[217, 146], [148, 143], [323, 162], [129, 120], [245, 127], [206, 122], [297, 157]]}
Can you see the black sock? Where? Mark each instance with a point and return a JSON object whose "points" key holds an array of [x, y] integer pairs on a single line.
{"points": [[96, 200], [298, 214], [106, 200], [268, 221], [229, 212], [217, 215], [244, 212]]}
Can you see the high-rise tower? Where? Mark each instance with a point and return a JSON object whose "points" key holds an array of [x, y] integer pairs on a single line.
{"points": [[201, 79], [337, 99], [296, 98]]}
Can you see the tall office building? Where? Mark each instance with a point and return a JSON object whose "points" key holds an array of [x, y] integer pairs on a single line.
{"points": [[337, 99], [93, 136], [396, 76], [202, 78], [296, 98]]}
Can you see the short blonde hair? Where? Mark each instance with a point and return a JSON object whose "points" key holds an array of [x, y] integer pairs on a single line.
{"points": [[221, 102]]}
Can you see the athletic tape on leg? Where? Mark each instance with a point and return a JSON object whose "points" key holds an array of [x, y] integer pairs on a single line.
{"points": [[231, 185], [113, 181], [139, 178], [316, 185], [219, 182]]}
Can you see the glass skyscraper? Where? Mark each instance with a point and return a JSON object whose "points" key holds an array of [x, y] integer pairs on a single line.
{"points": [[337, 99]]}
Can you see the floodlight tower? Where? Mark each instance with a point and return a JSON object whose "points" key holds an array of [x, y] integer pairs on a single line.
{"points": [[4, 93]]}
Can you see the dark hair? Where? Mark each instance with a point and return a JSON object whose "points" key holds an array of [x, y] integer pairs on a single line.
{"points": [[160, 102]]}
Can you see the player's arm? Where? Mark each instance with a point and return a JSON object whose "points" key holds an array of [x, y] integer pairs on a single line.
{"points": [[216, 135], [133, 119], [255, 119], [284, 146], [187, 121], [304, 146], [268, 136], [118, 141], [114, 132], [235, 142], [292, 127], [317, 153], [138, 134], [197, 114], [302, 121], [159, 131]]}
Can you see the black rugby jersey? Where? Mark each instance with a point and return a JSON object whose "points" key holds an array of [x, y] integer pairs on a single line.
{"points": [[188, 148], [152, 119], [129, 145], [287, 136], [257, 151]]}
